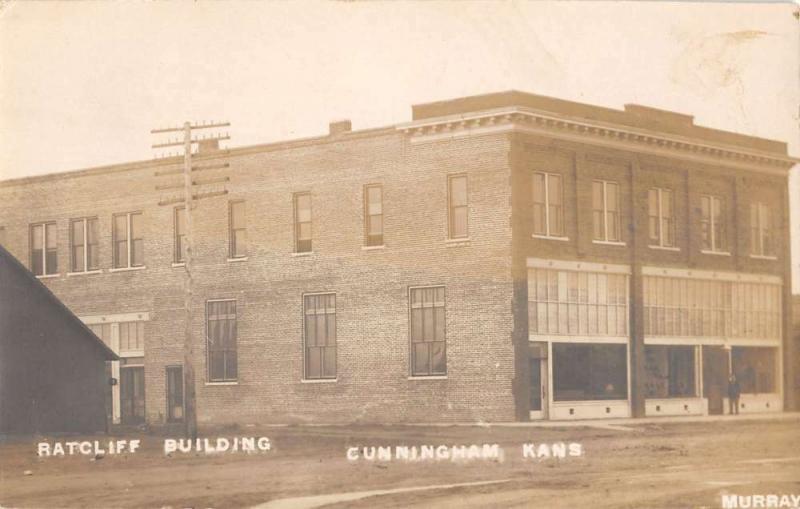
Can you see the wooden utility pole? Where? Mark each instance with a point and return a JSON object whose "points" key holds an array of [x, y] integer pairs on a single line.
{"points": [[191, 193]]}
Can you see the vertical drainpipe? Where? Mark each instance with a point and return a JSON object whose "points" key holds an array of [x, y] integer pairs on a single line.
{"points": [[636, 301]]}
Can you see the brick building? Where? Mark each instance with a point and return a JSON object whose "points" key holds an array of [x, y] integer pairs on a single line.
{"points": [[499, 257]]}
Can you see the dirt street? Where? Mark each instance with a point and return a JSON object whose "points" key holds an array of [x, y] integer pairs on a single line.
{"points": [[635, 465]]}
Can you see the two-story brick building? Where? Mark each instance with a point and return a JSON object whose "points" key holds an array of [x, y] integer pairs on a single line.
{"points": [[499, 257]]}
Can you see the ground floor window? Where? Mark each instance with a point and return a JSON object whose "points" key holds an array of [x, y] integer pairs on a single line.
{"points": [[670, 371], [589, 371], [755, 368]]}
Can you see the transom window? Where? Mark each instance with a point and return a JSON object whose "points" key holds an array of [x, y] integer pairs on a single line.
{"points": [[458, 207], [548, 210], [605, 211], [302, 222], [83, 244], [222, 341], [712, 222], [44, 249], [238, 231], [131, 336], [128, 240], [661, 215], [568, 302], [762, 235], [428, 343], [373, 215], [319, 312]]}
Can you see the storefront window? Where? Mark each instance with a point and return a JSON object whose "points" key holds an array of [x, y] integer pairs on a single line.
{"points": [[755, 369], [584, 372], [669, 371]]}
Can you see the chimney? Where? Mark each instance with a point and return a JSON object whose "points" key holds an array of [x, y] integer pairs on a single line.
{"points": [[339, 127], [207, 146]]}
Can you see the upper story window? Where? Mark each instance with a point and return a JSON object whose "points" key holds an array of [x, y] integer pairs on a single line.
{"points": [[128, 240], [548, 209], [428, 343], [221, 335], [605, 211], [319, 312], [458, 210], [661, 217], [712, 222], [762, 230], [238, 232], [84, 245], [373, 215], [302, 222], [180, 244], [44, 251]]}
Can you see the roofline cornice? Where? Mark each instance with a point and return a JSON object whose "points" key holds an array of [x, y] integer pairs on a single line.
{"points": [[529, 120]]}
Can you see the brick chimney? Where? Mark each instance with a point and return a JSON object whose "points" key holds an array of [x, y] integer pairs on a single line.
{"points": [[339, 127]]}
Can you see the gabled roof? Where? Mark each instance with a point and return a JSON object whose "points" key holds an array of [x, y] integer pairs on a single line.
{"points": [[43, 292]]}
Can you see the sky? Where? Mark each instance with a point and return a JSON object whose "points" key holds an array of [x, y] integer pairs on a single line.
{"points": [[83, 83]]}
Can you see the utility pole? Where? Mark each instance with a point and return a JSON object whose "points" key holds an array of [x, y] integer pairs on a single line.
{"points": [[192, 191]]}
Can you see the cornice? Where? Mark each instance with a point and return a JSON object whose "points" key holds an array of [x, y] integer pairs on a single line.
{"points": [[527, 120]]}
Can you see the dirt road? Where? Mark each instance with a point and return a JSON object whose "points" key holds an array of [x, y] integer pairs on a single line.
{"points": [[645, 465]]}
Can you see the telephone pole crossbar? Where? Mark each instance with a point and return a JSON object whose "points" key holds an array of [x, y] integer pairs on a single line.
{"points": [[192, 191]]}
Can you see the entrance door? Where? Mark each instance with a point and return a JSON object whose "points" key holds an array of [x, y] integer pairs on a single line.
{"points": [[131, 388], [537, 369], [715, 377], [174, 393]]}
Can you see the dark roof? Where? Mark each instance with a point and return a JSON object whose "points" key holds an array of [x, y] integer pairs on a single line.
{"points": [[44, 292], [633, 115]]}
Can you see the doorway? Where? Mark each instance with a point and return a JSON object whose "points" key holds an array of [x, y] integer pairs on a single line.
{"points": [[174, 393], [537, 381], [715, 377], [131, 388]]}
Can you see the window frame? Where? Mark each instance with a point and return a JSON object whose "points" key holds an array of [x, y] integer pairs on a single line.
{"points": [[605, 212], [451, 208], [85, 267], [368, 217], [548, 230], [225, 379], [232, 230], [128, 239], [297, 223], [43, 225], [715, 245], [764, 213], [411, 356], [321, 376], [672, 224]]}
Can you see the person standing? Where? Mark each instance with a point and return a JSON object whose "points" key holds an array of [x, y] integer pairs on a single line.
{"points": [[733, 395]]}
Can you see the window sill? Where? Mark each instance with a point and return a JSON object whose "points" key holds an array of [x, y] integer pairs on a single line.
{"points": [[178, 264], [127, 269], [84, 273], [609, 243], [319, 380], [373, 248], [238, 259], [463, 241], [665, 248], [549, 237], [48, 276], [428, 377], [763, 257], [222, 383], [131, 353], [716, 253], [304, 253]]}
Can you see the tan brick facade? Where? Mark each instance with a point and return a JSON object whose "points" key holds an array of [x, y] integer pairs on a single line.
{"points": [[484, 276]]}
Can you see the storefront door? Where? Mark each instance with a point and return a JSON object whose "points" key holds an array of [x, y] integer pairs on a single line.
{"points": [[537, 366], [715, 377], [132, 394]]}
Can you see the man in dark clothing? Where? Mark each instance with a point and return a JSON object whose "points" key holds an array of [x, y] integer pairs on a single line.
{"points": [[733, 395]]}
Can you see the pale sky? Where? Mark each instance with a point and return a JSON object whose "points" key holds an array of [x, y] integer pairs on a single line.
{"points": [[82, 83]]}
